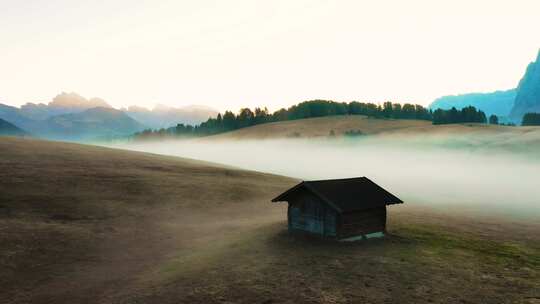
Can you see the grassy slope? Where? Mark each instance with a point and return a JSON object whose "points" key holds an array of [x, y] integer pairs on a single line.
{"points": [[77, 222], [82, 224], [322, 126]]}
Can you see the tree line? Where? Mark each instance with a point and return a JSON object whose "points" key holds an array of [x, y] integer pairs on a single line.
{"points": [[467, 114], [316, 108], [531, 119]]}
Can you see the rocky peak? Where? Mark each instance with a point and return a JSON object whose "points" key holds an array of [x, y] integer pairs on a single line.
{"points": [[528, 92]]}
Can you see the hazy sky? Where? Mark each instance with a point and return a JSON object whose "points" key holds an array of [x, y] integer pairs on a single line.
{"points": [[234, 53]]}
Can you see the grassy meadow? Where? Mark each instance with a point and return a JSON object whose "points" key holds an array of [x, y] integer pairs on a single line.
{"points": [[94, 225]]}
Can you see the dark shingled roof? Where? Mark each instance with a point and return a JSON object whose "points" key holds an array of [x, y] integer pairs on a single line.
{"points": [[344, 195]]}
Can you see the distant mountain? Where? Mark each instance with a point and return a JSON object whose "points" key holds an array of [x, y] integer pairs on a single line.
{"points": [[499, 102], [100, 122], [9, 129], [73, 117], [13, 115], [63, 103], [528, 92], [163, 116]]}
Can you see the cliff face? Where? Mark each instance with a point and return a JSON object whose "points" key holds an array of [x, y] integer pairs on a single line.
{"points": [[528, 92]]}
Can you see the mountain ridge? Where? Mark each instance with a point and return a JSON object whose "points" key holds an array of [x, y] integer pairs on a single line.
{"points": [[91, 124], [528, 91], [62, 103], [52, 119], [9, 129], [499, 102], [162, 116]]}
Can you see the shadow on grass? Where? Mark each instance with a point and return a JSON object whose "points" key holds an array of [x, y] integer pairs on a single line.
{"points": [[284, 239]]}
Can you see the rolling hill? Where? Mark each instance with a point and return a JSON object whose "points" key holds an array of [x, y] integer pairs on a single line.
{"points": [[471, 136], [322, 127], [362, 125], [85, 224]]}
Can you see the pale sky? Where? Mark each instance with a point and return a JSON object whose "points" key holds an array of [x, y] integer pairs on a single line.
{"points": [[233, 53]]}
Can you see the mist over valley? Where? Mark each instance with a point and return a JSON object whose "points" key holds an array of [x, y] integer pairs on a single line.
{"points": [[471, 172]]}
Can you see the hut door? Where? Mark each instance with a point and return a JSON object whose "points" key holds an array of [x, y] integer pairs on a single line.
{"points": [[330, 223], [314, 217]]}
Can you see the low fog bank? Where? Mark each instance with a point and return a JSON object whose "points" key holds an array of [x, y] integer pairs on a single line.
{"points": [[448, 178]]}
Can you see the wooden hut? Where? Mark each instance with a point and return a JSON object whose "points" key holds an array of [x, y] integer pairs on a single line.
{"points": [[344, 209]]}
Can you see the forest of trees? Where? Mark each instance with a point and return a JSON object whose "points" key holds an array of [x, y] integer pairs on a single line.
{"points": [[316, 108], [531, 119], [466, 115], [493, 119]]}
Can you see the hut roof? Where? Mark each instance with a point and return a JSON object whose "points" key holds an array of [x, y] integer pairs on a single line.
{"points": [[344, 195]]}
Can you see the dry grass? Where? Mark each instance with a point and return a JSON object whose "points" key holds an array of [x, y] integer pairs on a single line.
{"points": [[82, 224], [322, 126], [77, 222]]}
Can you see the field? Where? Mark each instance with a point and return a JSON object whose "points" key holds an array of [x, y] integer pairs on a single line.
{"points": [[86, 224], [323, 126]]}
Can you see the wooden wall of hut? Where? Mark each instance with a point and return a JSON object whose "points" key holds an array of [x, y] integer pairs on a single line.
{"points": [[309, 214]]}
